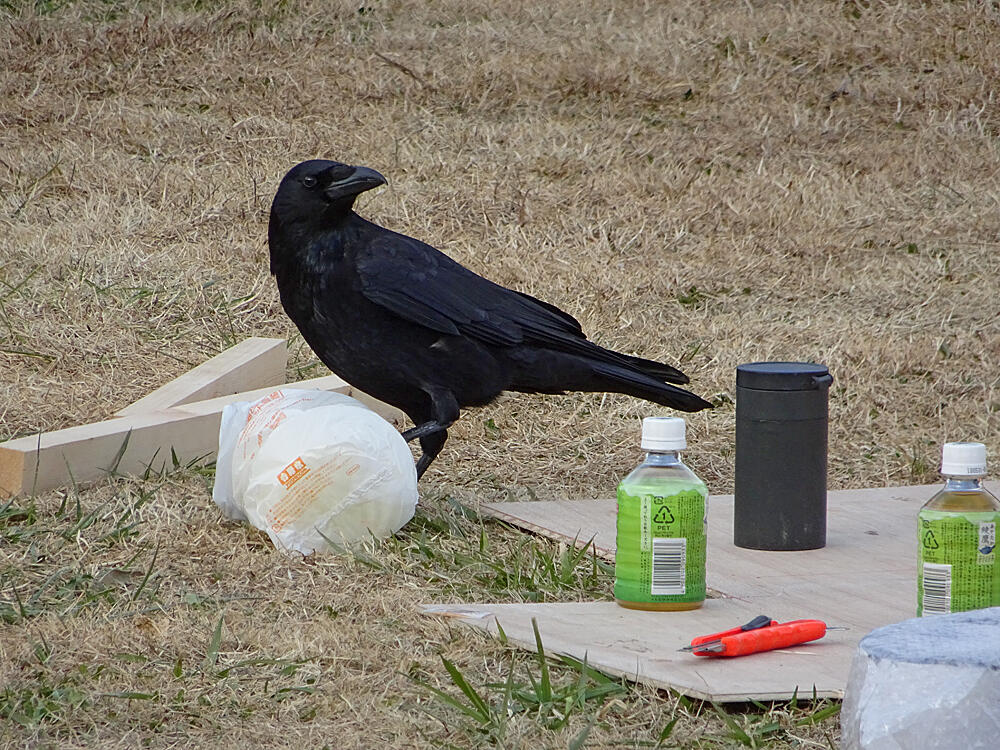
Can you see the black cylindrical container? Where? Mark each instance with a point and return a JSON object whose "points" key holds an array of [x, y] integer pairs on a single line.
{"points": [[781, 433]]}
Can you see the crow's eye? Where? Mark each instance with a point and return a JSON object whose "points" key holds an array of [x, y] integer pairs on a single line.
{"points": [[309, 181]]}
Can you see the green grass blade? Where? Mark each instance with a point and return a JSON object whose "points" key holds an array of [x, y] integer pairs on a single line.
{"points": [[593, 674], [580, 692], [470, 711], [113, 467], [600, 691], [735, 730], [666, 731], [149, 572], [501, 633], [578, 741], [819, 715], [507, 707], [20, 605], [545, 680], [474, 698], [213, 647]]}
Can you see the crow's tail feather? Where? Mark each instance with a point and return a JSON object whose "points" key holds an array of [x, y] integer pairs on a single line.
{"points": [[639, 384], [656, 370], [547, 371]]}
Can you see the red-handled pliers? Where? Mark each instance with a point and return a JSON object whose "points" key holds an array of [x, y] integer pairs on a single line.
{"points": [[760, 634]]}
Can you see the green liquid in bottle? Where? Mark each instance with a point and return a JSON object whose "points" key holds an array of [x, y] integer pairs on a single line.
{"points": [[959, 569], [661, 541], [957, 536]]}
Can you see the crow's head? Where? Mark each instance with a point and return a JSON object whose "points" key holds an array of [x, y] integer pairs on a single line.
{"points": [[321, 191]]}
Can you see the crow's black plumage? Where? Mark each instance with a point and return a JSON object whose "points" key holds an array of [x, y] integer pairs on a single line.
{"points": [[405, 323]]}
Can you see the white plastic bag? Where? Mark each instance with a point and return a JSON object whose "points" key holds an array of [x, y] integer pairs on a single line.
{"points": [[311, 466]]}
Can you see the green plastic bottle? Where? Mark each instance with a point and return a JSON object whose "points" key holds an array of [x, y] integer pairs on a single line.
{"points": [[959, 570], [660, 556]]}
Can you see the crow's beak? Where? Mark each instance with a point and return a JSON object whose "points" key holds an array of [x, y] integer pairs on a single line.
{"points": [[359, 181]]}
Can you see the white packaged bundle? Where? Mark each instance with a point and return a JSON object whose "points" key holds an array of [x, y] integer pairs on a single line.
{"points": [[312, 467], [927, 682]]}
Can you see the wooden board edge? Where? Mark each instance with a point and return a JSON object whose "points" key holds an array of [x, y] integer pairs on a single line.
{"points": [[329, 383], [255, 362], [37, 463], [491, 511], [14, 478], [388, 412], [84, 453], [486, 622]]}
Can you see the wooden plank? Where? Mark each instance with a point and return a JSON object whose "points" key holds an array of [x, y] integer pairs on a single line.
{"points": [[642, 647], [591, 521], [253, 363], [37, 463], [864, 578]]}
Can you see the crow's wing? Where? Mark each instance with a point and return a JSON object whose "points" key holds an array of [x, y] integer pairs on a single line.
{"points": [[425, 286]]}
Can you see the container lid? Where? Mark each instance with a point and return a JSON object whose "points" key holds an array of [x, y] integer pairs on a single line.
{"points": [[663, 434], [963, 459], [783, 376]]}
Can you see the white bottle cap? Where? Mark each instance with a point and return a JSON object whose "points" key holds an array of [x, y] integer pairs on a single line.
{"points": [[663, 434], [963, 459]]}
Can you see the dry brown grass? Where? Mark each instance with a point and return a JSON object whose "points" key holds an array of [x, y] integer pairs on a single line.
{"points": [[706, 183]]}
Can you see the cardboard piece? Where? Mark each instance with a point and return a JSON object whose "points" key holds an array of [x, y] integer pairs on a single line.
{"points": [[865, 577]]}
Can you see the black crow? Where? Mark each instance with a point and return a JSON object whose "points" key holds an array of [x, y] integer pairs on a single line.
{"points": [[405, 323]]}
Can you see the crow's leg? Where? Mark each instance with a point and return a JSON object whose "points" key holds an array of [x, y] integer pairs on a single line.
{"points": [[431, 446], [432, 426], [423, 429]]}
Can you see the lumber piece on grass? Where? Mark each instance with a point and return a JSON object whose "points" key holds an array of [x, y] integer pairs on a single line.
{"points": [[253, 363], [136, 443], [326, 383]]}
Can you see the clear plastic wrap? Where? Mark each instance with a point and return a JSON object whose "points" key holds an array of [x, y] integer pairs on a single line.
{"points": [[931, 682]]}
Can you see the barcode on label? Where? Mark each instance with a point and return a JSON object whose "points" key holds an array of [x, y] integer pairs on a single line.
{"points": [[669, 563], [937, 589]]}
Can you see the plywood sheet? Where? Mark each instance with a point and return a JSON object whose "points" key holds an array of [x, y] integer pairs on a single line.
{"points": [[642, 647], [864, 578]]}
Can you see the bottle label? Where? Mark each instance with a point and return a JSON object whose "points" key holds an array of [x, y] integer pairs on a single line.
{"points": [[661, 539], [958, 562]]}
